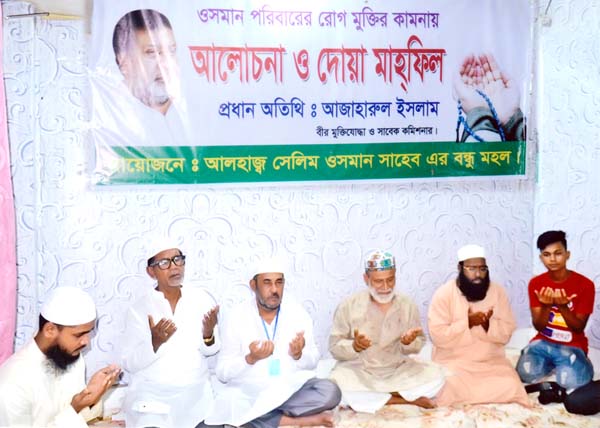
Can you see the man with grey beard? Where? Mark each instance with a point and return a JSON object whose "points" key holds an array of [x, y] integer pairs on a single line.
{"points": [[374, 332], [470, 321]]}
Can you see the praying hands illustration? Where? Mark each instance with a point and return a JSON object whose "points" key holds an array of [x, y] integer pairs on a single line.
{"points": [[490, 101]]}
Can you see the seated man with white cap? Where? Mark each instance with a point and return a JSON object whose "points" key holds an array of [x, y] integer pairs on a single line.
{"points": [[373, 334], [43, 384], [169, 333], [267, 361], [470, 321]]}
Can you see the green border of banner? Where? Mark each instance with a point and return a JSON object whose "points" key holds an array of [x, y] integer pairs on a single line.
{"points": [[311, 162]]}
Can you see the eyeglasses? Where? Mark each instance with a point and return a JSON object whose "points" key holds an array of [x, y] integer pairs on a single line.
{"points": [[164, 264], [473, 269]]}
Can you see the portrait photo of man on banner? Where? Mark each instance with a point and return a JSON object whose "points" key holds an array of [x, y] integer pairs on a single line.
{"points": [[149, 108]]}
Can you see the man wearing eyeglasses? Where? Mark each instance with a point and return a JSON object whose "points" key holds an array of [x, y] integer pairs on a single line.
{"points": [[170, 331], [470, 321]]}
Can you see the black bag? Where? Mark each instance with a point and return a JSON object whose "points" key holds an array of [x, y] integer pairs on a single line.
{"points": [[584, 400], [550, 392]]}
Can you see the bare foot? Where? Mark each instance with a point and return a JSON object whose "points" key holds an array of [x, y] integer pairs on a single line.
{"points": [[423, 402], [324, 419]]}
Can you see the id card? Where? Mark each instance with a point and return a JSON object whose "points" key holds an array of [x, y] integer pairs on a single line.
{"points": [[274, 367]]}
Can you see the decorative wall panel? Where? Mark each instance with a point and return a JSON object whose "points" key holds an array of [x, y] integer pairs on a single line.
{"points": [[72, 233], [568, 187]]}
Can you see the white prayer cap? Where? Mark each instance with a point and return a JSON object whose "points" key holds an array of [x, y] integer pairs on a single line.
{"points": [[69, 306], [160, 244], [470, 251], [274, 264]]}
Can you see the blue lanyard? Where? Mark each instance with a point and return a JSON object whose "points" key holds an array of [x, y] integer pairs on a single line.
{"points": [[275, 329]]}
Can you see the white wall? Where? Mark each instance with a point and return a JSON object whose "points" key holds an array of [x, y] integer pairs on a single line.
{"points": [[74, 8], [70, 233], [568, 184]]}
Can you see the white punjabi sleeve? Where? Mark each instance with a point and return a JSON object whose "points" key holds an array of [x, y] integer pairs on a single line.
{"points": [[231, 360], [137, 351], [310, 353]]}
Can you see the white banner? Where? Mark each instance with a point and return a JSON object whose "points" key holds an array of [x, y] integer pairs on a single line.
{"points": [[174, 81]]}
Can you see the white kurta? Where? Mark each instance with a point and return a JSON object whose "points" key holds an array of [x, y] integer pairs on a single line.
{"points": [[33, 394], [121, 119], [251, 391], [169, 388]]}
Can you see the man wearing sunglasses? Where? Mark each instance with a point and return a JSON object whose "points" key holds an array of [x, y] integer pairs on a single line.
{"points": [[170, 331], [470, 321]]}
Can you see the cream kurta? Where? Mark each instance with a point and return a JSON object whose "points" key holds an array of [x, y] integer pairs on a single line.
{"points": [[33, 394], [386, 365], [169, 387], [480, 371]]}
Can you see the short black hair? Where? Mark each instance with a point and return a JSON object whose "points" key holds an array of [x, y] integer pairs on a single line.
{"points": [[550, 237], [43, 321], [136, 20]]}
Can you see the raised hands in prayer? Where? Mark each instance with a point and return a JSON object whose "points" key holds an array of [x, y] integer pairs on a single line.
{"points": [[161, 332], [96, 387], [361, 342], [482, 73], [549, 296], [410, 335], [209, 322], [259, 350], [480, 318], [297, 345]]}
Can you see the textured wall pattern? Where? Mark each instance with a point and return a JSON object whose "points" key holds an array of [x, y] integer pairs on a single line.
{"points": [[72, 233], [568, 188]]}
